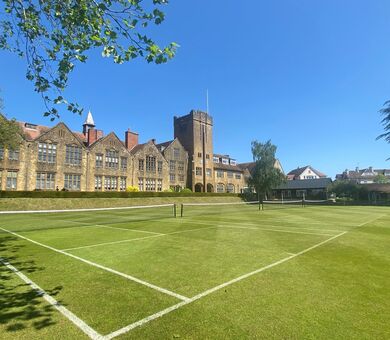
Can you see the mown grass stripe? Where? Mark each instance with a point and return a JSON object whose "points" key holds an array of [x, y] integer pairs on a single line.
{"points": [[214, 289], [63, 310], [113, 271]]}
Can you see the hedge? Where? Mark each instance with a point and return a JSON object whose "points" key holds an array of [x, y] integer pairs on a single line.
{"points": [[106, 194]]}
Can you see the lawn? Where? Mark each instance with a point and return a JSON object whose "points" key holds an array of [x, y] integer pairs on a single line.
{"points": [[220, 271]]}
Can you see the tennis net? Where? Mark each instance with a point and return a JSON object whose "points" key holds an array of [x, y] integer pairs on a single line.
{"points": [[56, 219], [199, 209], [283, 204]]}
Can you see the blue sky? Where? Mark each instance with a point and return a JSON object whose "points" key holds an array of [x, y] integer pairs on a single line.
{"points": [[310, 75]]}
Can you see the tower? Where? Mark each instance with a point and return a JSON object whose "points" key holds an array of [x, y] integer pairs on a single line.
{"points": [[195, 133], [88, 124]]}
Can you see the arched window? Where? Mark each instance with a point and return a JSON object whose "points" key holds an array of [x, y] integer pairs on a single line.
{"points": [[220, 187], [230, 187]]}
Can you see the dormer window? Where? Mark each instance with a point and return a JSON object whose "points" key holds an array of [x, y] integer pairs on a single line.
{"points": [[225, 161], [216, 159], [30, 126]]}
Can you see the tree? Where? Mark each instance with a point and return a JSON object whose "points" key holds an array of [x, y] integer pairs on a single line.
{"points": [[54, 35], [385, 122], [381, 178], [348, 189], [10, 131], [265, 176]]}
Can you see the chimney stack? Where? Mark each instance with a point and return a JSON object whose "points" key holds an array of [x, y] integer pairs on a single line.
{"points": [[131, 139], [93, 135]]}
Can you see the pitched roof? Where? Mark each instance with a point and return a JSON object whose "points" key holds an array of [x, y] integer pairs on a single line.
{"points": [[164, 145], [137, 148], [228, 167], [315, 183], [298, 171], [32, 131]]}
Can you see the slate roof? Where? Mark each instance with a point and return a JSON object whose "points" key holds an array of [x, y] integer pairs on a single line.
{"points": [[301, 184], [227, 167], [137, 148], [164, 145]]}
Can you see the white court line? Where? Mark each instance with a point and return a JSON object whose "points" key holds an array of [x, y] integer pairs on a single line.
{"points": [[255, 227], [113, 271], [84, 225], [136, 230], [372, 220], [274, 230], [212, 290], [113, 242], [63, 310], [236, 222], [135, 239]]}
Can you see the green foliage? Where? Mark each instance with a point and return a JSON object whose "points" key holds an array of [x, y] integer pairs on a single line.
{"points": [[54, 35], [107, 194], [132, 189], [265, 176], [349, 190], [385, 122], [382, 179], [10, 132], [186, 191]]}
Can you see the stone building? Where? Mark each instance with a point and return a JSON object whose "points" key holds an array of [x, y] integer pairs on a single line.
{"points": [[57, 158], [207, 171], [177, 157]]}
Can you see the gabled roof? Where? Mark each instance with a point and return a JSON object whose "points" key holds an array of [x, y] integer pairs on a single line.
{"points": [[298, 171], [32, 133], [98, 141], [137, 148], [162, 146]]}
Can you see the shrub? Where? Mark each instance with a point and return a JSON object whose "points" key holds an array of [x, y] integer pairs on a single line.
{"points": [[132, 189], [185, 190]]}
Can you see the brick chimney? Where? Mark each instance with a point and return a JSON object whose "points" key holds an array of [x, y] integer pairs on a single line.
{"points": [[131, 139], [93, 135]]}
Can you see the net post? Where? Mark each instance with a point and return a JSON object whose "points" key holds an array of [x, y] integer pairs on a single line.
{"points": [[181, 210], [174, 210], [303, 200]]}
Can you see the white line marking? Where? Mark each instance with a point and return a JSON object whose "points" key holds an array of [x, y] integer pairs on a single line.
{"points": [[212, 290], [63, 310], [113, 242], [135, 239], [84, 225], [274, 230], [372, 220], [136, 230], [113, 271], [281, 221]]}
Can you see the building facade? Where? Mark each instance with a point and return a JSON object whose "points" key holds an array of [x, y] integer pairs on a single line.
{"points": [[365, 176], [56, 158]]}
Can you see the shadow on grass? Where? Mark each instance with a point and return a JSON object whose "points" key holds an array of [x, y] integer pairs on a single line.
{"points": [[21, 307]]}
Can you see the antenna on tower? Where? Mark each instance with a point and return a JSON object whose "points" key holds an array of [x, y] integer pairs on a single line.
{"points": [[207, 101]]}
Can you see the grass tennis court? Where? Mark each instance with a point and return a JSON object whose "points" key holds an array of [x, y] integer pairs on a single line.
{"points": [[220, 271]]}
